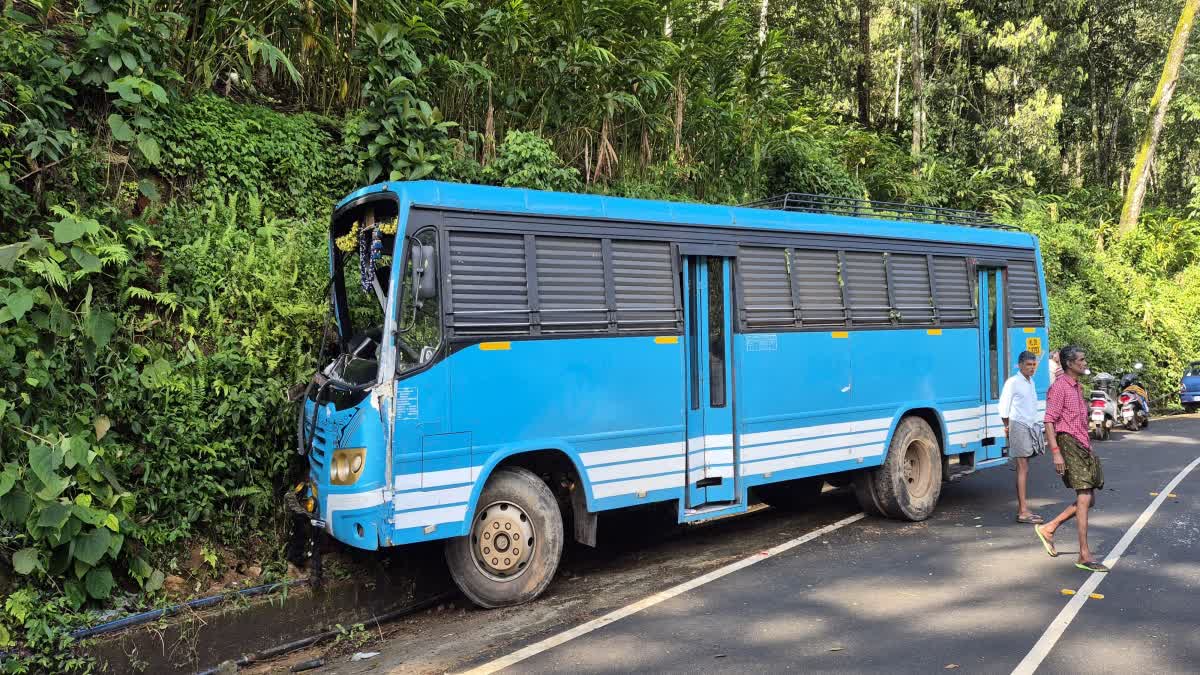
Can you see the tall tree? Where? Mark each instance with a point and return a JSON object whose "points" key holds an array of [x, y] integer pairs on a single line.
{"points": [[918, 81], [1140, 173], [862, 80]]}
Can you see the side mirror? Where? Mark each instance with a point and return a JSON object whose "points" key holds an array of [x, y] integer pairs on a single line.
{"points": [[424, 273], [427, 286]]}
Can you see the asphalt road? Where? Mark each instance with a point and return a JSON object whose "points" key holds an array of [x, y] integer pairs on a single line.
{"points": [[967, 590]]}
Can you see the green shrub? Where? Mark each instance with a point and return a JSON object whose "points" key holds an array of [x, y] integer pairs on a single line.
{"points": [[525, 159], [214, 148]]}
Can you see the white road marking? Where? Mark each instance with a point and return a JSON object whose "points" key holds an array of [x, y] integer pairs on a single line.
{"points": [[1034, 658], [583, 629]]}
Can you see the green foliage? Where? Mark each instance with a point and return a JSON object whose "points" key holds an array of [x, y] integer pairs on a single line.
{"points": [[42, 624], [171, 172], [64, 511], [405, 137], [803, 164], [216, 148], [527, 160], [229, 321]]}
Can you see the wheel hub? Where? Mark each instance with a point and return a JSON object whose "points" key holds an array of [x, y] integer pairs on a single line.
{"points": [[917, 471], [502, 540]]}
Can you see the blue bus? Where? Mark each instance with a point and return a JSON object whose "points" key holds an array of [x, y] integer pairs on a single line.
{"points": [[513, 362]]}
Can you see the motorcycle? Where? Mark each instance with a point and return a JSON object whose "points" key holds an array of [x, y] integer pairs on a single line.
{"points": [[1104, 412], [1134, 401]]}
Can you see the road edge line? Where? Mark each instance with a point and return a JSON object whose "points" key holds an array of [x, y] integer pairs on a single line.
{"points": [[647, 602], [1058, 626]]}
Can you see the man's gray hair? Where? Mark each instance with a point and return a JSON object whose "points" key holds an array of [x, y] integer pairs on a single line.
{"points": [[1069, 354], [1026, 356]]}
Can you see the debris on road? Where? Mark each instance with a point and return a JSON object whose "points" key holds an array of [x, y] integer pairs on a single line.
{"points": [[307, 665], [363, 656]]}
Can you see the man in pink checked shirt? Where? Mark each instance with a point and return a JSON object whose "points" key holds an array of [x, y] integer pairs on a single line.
{"points": [[1067, 435]]}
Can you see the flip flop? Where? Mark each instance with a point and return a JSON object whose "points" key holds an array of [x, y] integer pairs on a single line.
{"points": [[1032, 519], [1091, 566], [1046, 543]]}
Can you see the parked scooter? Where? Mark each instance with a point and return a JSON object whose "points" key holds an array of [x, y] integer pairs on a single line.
{"points": [[1134, 401], [1104, 412]]}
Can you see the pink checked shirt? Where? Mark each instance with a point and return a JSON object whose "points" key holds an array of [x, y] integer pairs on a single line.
{"points": [[1067, 411]]}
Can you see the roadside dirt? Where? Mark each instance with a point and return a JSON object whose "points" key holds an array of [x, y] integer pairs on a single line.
{"points": [[590, 583]]}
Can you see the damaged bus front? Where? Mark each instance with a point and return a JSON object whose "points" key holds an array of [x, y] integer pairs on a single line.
{"points": [[384, 302]]}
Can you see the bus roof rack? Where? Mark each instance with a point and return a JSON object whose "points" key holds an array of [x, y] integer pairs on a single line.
{"points": [[866, 208]]}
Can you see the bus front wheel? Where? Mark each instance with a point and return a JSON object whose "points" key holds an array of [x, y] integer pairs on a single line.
{"points": [[908, 483], [514, 544]]}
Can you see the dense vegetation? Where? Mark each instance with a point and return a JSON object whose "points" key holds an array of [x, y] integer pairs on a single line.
{"points": [[167, 170]]}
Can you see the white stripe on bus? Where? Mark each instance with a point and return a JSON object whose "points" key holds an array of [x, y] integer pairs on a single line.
{"points": [[405, 501], [759, 452], [674, 480], [710, 472], [447, 514], [765, 437], [962, 413], [812, 459], [349, 502], [629, 454], [632, 469], [964, 425]]}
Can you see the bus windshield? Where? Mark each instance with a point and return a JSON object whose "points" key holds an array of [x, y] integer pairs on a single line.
{"points": [[364, 245]]}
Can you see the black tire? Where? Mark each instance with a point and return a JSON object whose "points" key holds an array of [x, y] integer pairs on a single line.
{"points": [[908, 483], [1104, 432], [512, 497], [1190, 408], [791, 495]]}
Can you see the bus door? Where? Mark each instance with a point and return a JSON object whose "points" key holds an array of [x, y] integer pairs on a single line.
{"points": [[709, 390], [993, 350]]}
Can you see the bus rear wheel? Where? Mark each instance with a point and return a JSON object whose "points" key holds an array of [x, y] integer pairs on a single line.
{"points": [[515, 541], [908, 483]]}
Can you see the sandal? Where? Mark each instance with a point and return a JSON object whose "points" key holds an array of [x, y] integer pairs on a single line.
{"points": [[1046, 543], [1031, 519], [1092, 566]]}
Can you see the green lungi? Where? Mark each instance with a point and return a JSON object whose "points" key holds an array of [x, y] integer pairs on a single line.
{"points": [[1083, 470]]}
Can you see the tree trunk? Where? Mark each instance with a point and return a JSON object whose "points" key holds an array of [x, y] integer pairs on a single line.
{"points": [[918, 81], [1139, 173], [896, 93], [762, 22], [863, 79], [680, 99]]}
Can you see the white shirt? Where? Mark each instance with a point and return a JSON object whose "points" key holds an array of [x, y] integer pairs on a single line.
{"points": [[1018, 400]]}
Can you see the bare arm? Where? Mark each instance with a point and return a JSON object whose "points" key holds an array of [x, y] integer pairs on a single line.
{"points": [[1052, 441]]}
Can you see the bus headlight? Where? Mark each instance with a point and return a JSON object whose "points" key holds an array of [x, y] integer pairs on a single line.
{"points": [[347, 465]]}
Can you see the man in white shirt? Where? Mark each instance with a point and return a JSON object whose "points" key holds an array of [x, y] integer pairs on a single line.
{"points": [[1018, 410]]}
